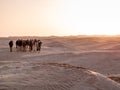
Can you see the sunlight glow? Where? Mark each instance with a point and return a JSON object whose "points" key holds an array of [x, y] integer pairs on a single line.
{"points": [[59, 17]]}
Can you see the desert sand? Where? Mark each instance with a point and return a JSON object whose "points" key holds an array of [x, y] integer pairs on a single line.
{"points": [[64, 63]]}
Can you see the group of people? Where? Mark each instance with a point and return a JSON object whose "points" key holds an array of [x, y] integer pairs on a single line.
{"points": [[26, 45]]}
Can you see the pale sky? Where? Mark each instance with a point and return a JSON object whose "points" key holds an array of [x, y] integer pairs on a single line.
{"points": [[59, 17]]}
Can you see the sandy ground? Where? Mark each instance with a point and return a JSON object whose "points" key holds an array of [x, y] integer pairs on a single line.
{"points": [[64, 63]]}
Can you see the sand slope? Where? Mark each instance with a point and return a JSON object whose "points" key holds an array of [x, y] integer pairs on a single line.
{"points": [[65, 63], [51, 76]]}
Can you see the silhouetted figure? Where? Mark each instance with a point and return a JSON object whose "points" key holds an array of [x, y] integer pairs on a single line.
{"points": [[19, 44], [24, 44], [39, 45], [35, 41], [11, 45], [31, 45]]}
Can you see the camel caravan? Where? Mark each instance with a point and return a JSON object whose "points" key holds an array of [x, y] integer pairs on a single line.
{"points": [[26, 45]]}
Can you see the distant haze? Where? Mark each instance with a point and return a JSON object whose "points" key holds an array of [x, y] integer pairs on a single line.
{"points": [[59, 17]]}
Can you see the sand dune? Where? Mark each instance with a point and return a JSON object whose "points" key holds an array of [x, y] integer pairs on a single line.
{"points": [[51, 76], [65, 63]]}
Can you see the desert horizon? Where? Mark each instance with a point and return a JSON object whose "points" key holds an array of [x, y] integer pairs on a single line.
{"points": [[46, 36], [59, 45]]}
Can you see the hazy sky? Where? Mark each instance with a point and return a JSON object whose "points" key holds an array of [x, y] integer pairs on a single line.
{"points": [[59, 17]]}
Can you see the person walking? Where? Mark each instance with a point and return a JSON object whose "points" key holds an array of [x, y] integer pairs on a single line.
{"points": [[39, 45], [11, 45]]}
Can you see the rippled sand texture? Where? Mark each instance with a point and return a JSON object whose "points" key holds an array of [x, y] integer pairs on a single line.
{"points": [[64, 63]]}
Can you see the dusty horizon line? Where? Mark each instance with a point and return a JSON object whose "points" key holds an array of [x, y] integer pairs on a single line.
{"points": [[62, 36]]}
